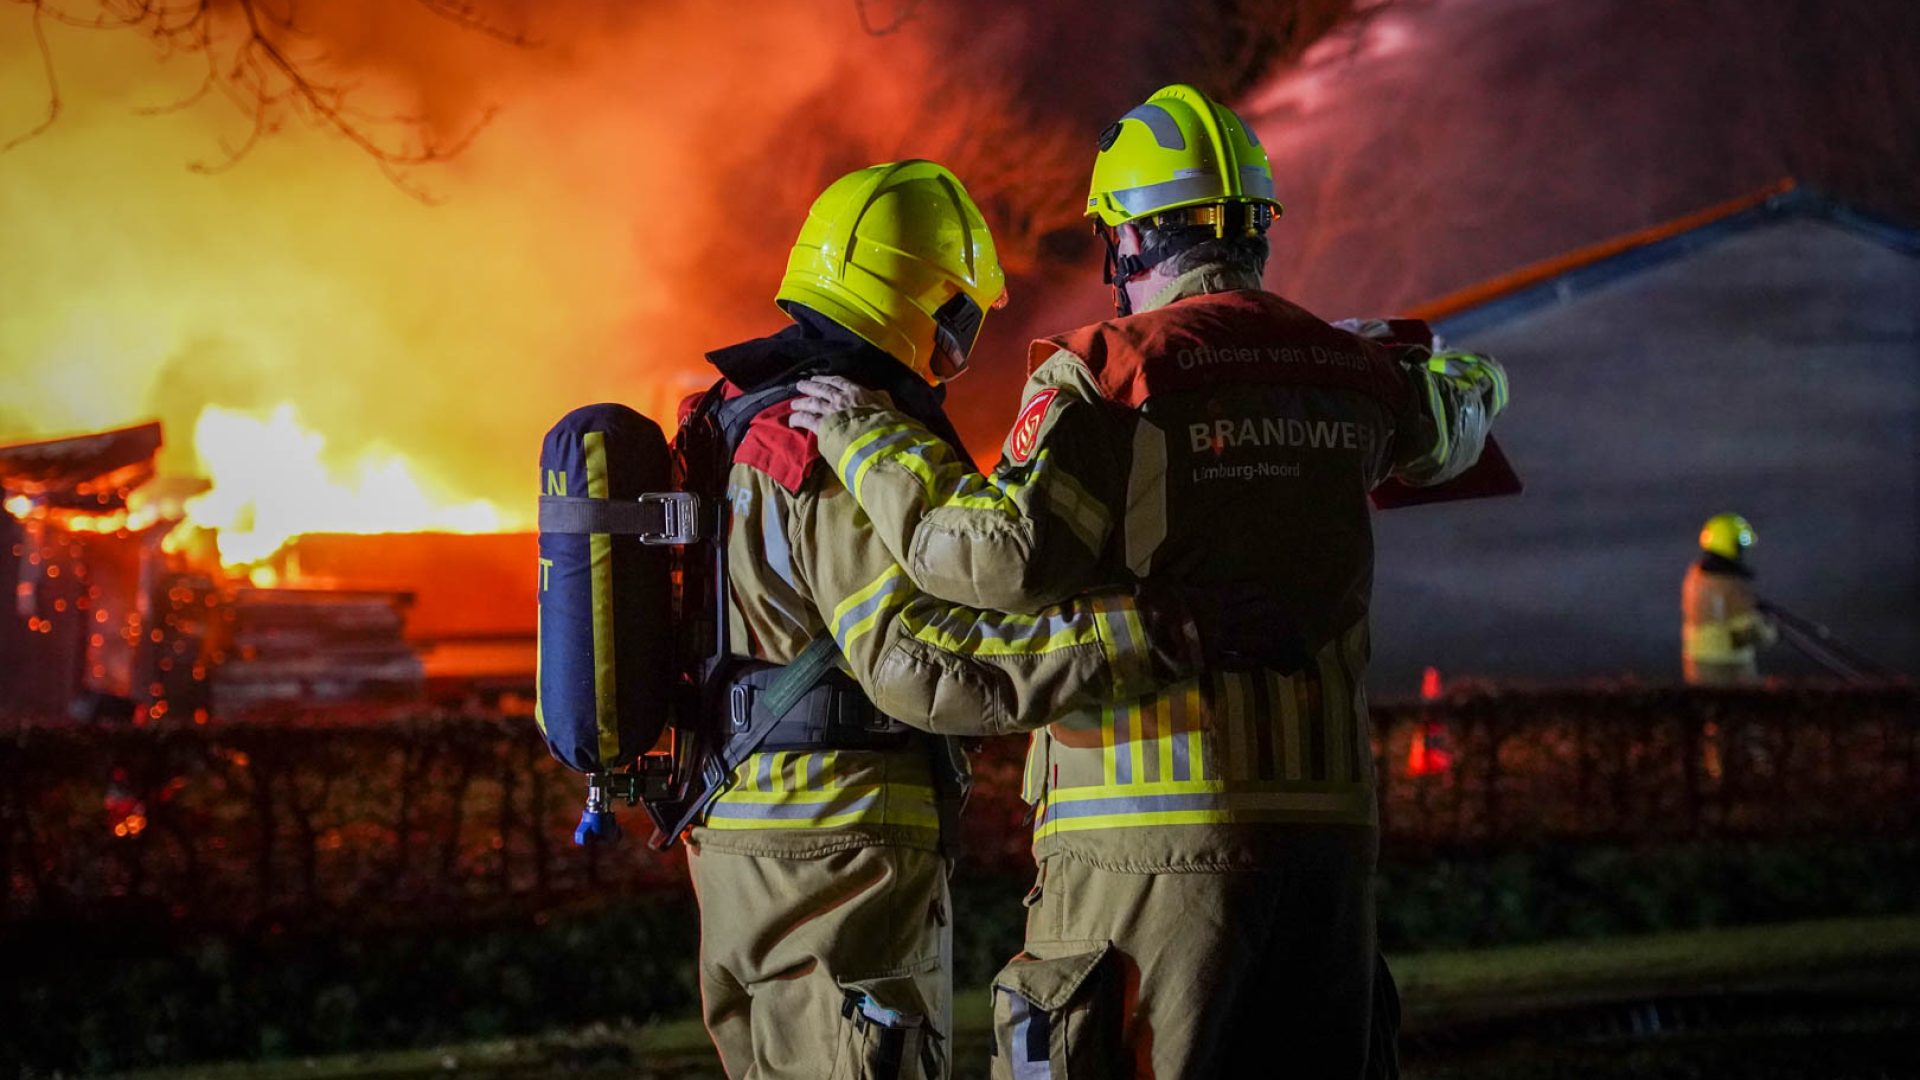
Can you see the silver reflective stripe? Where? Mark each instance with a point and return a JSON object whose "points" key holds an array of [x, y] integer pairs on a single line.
{"points": [[1166, 130], [1342, 800], [793, 811], [1021, 1036], [850, 467], [1256, 181], [844, 625], [773, 542], [1180, 190]]}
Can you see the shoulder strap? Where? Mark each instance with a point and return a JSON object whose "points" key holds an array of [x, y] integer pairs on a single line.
{"points": [[734, 416], [800, 676]]}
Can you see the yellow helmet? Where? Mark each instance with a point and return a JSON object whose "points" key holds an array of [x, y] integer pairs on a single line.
{"points": [[900, 255], [1178, 149], [1726, 535], [1185, 159]]}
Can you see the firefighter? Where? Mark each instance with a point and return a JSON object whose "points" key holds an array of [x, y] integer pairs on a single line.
{"points": [[1204, 903], [819, 869], [1722, 626]]}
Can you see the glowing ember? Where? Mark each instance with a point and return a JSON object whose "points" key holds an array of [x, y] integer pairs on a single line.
{"points": [[271, 481]]}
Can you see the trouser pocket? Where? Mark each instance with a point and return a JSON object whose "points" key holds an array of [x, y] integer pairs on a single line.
{"points": [[886, 1033], [1058, 1018]]}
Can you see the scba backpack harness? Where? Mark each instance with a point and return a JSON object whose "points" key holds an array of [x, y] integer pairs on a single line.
{"points": [[638, 687]]}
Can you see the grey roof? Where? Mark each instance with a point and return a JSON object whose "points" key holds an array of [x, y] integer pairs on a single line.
{"points": [[1768, 365]]}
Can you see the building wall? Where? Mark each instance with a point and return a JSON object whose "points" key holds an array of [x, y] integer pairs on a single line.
{"points": [[1775, 374]]}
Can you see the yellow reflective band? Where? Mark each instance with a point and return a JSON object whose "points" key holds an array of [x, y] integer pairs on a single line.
{"points": [[1135, 766], [1109, 759], [985, 633], [539, 651], [855, 616], [1084, 515], [1236, 690], [600, 549], [902, 804], [1203, 802], [1163, 736], [1198, 722], [1292, 747], [862, 454]]}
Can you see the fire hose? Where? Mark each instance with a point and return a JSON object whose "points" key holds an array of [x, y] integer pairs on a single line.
{"points": [[1820, 645]]}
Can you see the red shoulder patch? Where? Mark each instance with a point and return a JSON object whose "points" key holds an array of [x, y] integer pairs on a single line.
{"points": [[781, 451], [1026, 430]]}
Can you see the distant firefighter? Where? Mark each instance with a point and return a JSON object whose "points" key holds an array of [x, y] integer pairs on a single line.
{"points": [[1722, 624]]}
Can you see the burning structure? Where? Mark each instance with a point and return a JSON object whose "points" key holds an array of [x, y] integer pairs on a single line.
{"points": [[122, 607], [105, 621]]}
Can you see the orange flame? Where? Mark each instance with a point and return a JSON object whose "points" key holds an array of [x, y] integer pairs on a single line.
{"points": [[272, 480]]}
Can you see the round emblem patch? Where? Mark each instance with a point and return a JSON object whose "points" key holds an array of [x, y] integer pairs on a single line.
{"points": [[1026, 430]]}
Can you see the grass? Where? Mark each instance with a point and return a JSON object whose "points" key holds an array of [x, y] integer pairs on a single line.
{"points": [[1438, 988]]}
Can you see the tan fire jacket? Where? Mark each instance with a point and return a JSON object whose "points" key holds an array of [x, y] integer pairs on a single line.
{"points": [[804, 558], [1222, 435], [1721, 628]]}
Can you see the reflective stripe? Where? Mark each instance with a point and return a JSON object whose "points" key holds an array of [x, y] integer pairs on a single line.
{"points": [[1162, 757], [1084, 514], [1713, 643], [855, 616], [1238, 718], [1293, 744], [1200, 802], [777, 554], [1028, 1034], [1181, 189], [985, 633], [946, 480], [861, 454], [600, 550], [1179, 762], [1295, 748], [1166, 130], [793, 790], [1254, 180]]}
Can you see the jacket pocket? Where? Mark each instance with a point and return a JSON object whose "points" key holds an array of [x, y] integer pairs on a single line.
{"points": [[1059, 1019], [886, 1033]]}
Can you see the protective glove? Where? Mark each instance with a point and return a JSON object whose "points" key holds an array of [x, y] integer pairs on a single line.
{"points": [[1474, 371]]}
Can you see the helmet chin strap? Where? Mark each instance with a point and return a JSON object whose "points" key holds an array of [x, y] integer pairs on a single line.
{"points": [[1120, 269], [1224, 219]]}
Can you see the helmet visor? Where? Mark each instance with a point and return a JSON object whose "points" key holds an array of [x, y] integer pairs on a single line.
{"points": [[956, 326]]}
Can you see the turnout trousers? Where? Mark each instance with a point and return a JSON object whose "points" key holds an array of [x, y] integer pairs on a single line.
{"points": [[826, 967], [1187, 975]]}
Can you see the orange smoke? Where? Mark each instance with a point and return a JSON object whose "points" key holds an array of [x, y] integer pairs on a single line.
{"points": [[318, 340]]}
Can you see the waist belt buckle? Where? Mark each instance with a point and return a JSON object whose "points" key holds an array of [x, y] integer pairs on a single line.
{"points": [[740, 708]]}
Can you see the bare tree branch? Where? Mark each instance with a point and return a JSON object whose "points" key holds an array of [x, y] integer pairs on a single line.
{"points": [[250, 47], [53, 81]]}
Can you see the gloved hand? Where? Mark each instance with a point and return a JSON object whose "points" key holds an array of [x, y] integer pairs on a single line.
{"points": [[1482, 373], [1371, 329], [822, 396]]}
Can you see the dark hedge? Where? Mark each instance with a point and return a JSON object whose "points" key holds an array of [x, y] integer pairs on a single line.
{"points": [[327, 883]]}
